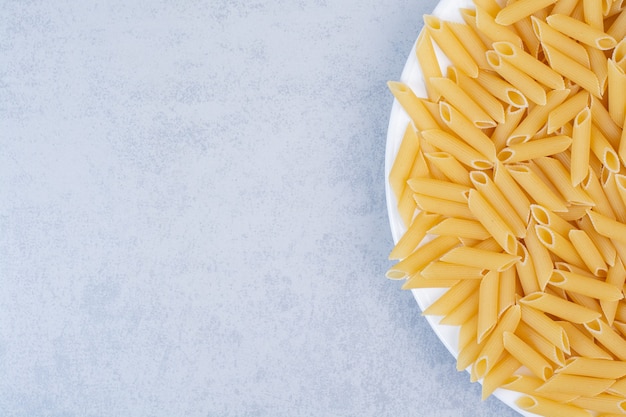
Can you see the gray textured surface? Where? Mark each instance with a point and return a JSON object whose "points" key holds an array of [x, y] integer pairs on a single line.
{"points": [[192, 215]]}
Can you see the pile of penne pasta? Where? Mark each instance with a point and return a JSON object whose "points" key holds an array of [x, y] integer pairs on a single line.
{"points": [[511, 182]]}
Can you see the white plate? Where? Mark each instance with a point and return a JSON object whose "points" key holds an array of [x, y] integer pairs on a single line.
{"points": [[412, 76]]}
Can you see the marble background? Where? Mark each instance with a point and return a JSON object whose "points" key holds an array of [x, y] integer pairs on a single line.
{"points": [[192, 214]]}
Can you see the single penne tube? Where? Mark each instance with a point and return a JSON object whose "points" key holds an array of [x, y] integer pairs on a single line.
{"points": [[499, 202], [559, 307], [467, 130], [503, 370], [467, 331], [520, 9], [440, 189], [491, 220], [582, 344], [416, 232], [419, 259], [491, 105], [501, 89], [559, 245], [595, 190], [619, 388], [532, 90], [488, 306], [452, 298], [529, 64], [619, 53], [463, 228], [457, 148], [494, 346], [620, 248], [589, 253], [406, 207], [615, 276], [471, 42], [449, 166], [433, 109], [488, 244], [506, 290], [537, 118], [420, 168], [594, 367], [604, 123], [545, 217], [540, 255], [490, 6], [546, 327], [412, 105], [598, 63], [428, 62], [486, 24], [620, 313], [592, 11], [527, 384], [581, 31], [526, 271], [567, 111], [512, 192], [603, 403], [583, 300], [545, 407], [611, 190], [462, 101], [573, 70], [607, 227], [617, 30], [581, 146], [560, 177], [608, 337], [443, 207], [445, 270], [538, 190], [581, 284], [540, 344], [521, 351], [403, 162], [565, 6], [469, 17], [512, 118], [551, 37], [469, 353], [603, 150], [576, 384], [480, 258], [533, 149], [617, 86], [524, 28], [463, 312], [450, 45]]}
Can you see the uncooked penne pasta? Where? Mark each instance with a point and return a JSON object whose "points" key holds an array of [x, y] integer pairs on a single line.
{"points": [[527, 384], [452, 298], [526, 271], [532, 90], [581, 31], [521, 351], [529, 64], [520, 9], [488, 306], [461, 100], [418, 260], [559, 246], [498, 201], [545, 217], [506, 290], [581, 284], [480, 258], [560, 178], [464, 228], [589, 253], [617, 30], [412, 106], [463, 312], [581, 146], [494, 345], [551, 37], [533, 149], [607, 226], [595, 190], [467, 130], [449, 166], [487, 24], [440, 189], [546, 327], [536, 188], [457, 148], [566, 111], [573, 70], [427, 60], [612, 341], [403, 163], [592, 12], [500, 373], [407, 206], [603, 403], [445, 270], [545, 407], [615, 276], [492, 221], [512, 192], [512, 118], [603, 150], [598, 64], [603, 121], [470, 41], [490, 104], [558, 307], [524, 28], [582, 344], [443, 207], [594, 367], [450, 45], [536, 118], [501, 89], [541, 256], [617, 87], [411, 239], [576, 384]]}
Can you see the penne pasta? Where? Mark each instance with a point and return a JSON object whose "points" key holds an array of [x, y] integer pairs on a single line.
{"points": [[520, 80], [452, 298], [558, 307], [457, 148], [536, 188], [603, 403], [441, 189], [581, 284], [414, 235], [506, 290], [501, 89], [485, 100], [615, 276], [418, 260], [617, 86], [551, 37], [576, 384], [520, 9], [612, 341], [443, 207], [545, 407], [582, 344], [537, 118], [527, 356], [488, 307], [559, 246], [494, 345], [500, 373], [588, 252], [512, 192], [461, 100], [546, 327], [581, 31], [573, 70], [560, 178], [607, 227], [594, 367], [450, 45], [526, 271], [480, 258], [529, 64], [449, 166], [470, 41], [467, 130], [486, 24], [581, 145], [464, 228], [491, 220], [412, 106], [427, 59], [542, 260], [566, 111]]}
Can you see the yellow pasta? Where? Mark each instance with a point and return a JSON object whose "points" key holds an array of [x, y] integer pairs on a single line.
{"points": [[480, 258], [581, 145], [467, 130], [603, 403], [538, 190], [549, 408], [560, 178], [576, 384], [573, 70], [412, 106], [532, 90], [463, 312], [520, 9], [581, 284], [537, 118], [618, 29], [527, 384], [592, 12], [494, 345], [534, 149], [615, 276], [527, 356], [607, 226], [526, 271], [483, 98], [529, 65], [512, 192], [428, 63], [501, 89], [609, 338], [565, 112], [488, 307], [594, 367], [588, 252], [581, 31], [558, 307], [487, 24], [464, 228], [551, 37], [414, 235], [540, 344], [450, 45], [617, 86], [452, 298], [440, 189], [506, 290], [470, 41], [524, 28], [492, 221], [603, 150], [418, 260], [542, 260], [449, 166], [457, 148], [499, 374], [582, 344], [603, 122]]}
